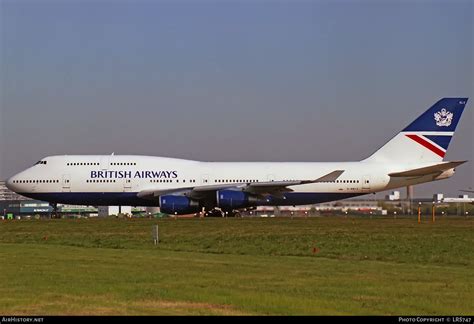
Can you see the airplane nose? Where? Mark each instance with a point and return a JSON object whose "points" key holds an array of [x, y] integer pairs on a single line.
{"points": [[9, 183]]}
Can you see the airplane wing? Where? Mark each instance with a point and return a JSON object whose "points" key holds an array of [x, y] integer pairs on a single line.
{"points": [[277, 188], [259, 188], [433, 169]]}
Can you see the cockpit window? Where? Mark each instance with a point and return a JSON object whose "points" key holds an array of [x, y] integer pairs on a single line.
{"points": [[40, 162]]}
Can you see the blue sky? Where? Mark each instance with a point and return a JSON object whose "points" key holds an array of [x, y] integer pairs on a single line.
{"points": [[230, 80]]}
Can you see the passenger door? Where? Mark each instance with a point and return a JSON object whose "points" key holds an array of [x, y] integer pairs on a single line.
{"points": [[270, 177], [205, 179], [127, 184], [366, 182], [104, 163], [66, 183]]}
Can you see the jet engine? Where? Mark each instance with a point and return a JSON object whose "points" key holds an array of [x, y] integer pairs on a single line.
{"points": [[178, 205], [233, 199]]}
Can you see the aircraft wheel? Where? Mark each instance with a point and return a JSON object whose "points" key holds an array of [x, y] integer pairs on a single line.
{"points": [[235, 213]]}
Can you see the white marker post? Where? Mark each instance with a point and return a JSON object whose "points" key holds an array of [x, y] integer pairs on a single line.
{"points": [[155, 234]]}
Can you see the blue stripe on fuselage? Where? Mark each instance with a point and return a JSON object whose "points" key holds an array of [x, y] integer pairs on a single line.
{"points": [[131, 199], [93, 198]]}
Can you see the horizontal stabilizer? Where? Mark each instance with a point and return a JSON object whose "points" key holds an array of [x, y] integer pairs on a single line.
{"points": [[437, 168]]}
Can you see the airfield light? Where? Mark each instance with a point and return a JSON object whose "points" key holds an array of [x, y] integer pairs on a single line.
{"points": [[419, 212]]}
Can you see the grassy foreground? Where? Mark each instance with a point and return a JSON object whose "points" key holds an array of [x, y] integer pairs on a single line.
{"points": [[315, 266]]}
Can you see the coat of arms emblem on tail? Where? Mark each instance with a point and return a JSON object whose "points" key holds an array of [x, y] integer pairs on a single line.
{"points": [[443, 117]]}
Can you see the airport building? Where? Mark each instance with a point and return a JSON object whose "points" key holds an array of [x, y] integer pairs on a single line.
{"points": [[7, 194], [359, 206]]}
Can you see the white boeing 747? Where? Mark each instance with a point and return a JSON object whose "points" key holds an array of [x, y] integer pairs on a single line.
{"points": [[177, 186]]}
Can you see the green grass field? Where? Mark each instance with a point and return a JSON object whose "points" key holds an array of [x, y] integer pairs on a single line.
{"points": [[306, 266]]}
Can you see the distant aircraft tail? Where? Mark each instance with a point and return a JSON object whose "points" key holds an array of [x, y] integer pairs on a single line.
{"points": [[427, 138]]}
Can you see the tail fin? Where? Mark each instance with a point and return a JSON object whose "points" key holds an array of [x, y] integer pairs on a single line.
{"points": [[427, 138]]}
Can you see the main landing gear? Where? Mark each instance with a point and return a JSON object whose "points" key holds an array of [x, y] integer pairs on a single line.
{"points": [[217, 212], [232, 213], [54, 213]]}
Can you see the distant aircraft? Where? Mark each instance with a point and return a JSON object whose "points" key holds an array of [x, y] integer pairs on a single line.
{"points": [[177, 186]]}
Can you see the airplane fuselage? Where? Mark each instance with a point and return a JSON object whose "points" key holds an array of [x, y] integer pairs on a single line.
{"points": [[117, 179]]}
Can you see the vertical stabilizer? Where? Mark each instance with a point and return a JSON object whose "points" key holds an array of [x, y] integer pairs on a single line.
{"points": [[427, 138]]}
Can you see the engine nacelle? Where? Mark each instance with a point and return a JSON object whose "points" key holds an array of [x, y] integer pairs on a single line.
{"points": [[446, 174], [233, 199], [178, 205]]}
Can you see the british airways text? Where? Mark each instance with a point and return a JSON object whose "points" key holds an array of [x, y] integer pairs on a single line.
{"points": [[136, 174]]}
